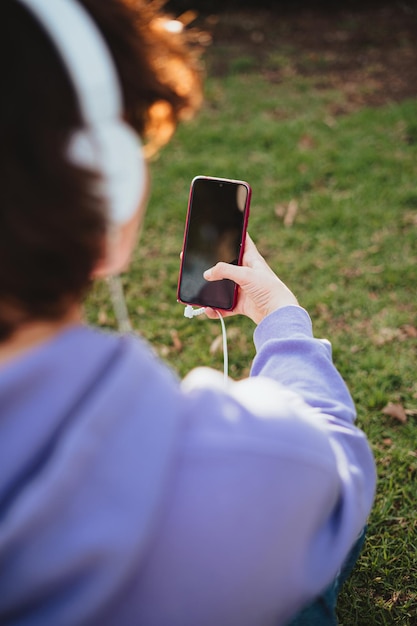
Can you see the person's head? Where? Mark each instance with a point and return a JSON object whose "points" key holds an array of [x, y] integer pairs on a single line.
{"points": [[56, 216]]}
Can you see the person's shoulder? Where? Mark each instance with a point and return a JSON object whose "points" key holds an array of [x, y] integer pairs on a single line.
{"points": [[127, 347], [119, 362]]}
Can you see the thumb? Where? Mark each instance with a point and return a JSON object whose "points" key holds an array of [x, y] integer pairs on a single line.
{"points": [[223, 270]]}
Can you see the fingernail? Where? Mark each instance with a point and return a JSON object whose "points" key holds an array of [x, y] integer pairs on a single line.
{"points": [[207, 273]]}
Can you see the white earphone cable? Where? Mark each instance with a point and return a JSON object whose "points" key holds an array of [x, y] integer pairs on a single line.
{"points": [[125, 326], [190, 313], [225, 353], [119, 304]]}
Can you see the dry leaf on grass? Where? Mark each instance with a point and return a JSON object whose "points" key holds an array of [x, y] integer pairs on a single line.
{"points": [[280, 210], [176, 340], [287, 212], [388, 335], [216, 344], [409, 331], [102, 317], [291, 213], [306, 142], [396, 411]]}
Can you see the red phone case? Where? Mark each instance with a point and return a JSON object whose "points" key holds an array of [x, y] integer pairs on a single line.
{"points": [[201, 301]]}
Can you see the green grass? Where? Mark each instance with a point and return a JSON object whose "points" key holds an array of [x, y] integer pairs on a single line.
{"points": [[350, 256]]}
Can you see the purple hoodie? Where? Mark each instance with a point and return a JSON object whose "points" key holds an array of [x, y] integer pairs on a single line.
{"points": [[129, 498]]}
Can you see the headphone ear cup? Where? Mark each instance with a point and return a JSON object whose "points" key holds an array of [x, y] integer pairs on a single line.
{"points": [[114, 151]]}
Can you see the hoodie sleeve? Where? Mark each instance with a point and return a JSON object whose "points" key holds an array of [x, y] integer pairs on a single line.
{"points": [[272, 486], [288, 353]]}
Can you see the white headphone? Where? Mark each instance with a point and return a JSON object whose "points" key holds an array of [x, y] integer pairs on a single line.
{"points": [[105, 144]]}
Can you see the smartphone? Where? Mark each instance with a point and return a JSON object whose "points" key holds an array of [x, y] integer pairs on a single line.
{"points": [[215, 229]]}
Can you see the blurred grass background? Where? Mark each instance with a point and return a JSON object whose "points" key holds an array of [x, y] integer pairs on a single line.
{"points": [[333, 166]]}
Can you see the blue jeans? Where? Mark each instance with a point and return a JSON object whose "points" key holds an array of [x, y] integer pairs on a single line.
{"points": [[322, 611]]}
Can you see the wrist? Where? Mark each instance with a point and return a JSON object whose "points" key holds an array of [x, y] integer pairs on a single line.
{"points": [[278, 303]]}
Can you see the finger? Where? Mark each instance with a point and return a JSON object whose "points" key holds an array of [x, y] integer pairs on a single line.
{"points": [[249, 245], [213, 314], [251, 255], [223, 270]]}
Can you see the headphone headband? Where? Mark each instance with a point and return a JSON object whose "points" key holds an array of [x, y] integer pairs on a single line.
{"points": [[85, 55], [106, 143]]}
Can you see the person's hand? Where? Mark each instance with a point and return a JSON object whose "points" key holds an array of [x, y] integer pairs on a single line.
{"points": [[260, 290]]}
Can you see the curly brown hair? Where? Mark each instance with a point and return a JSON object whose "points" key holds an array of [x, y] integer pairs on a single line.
{"points": [[52, 226]]}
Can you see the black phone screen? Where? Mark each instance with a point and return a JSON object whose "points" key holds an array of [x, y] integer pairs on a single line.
{"points": [[215, 230]]}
